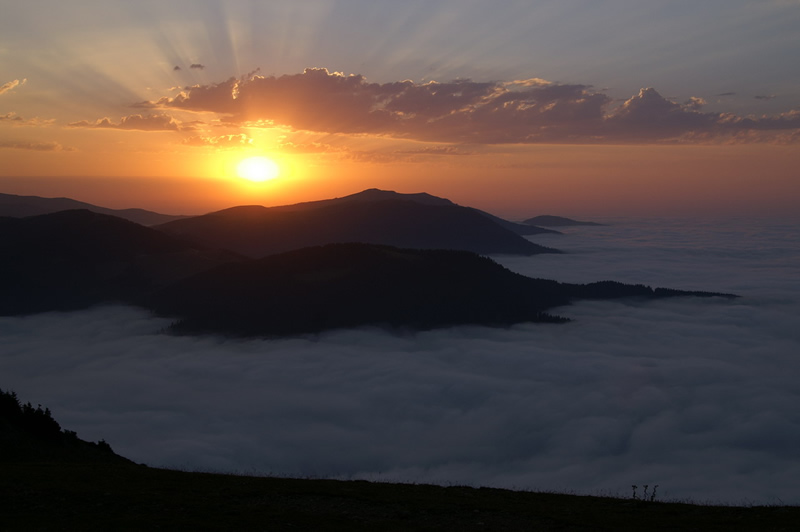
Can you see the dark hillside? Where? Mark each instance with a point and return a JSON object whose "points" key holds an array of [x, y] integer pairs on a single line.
{"points": [[15, 206], [259, 231], [351, 285], [374, 194], [74, 259]]}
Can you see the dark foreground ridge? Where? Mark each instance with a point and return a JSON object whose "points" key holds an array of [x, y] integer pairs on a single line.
{"points": [[29, 434], [57, 491]]}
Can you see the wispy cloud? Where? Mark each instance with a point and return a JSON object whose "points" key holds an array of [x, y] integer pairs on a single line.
{"points": [[35, 146], [437, 150], [156, 122], [464, 111], [220, 141], [308, 147], [5, 87], [15, 119]]}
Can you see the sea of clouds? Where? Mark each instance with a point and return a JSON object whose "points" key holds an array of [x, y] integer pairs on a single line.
{"points": [[699, 396]]}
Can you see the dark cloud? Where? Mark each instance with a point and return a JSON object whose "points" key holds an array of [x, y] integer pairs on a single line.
{"points": [[6, 87], [156, 122], [698, 396], [764, 97], [35, 146], [197, 66], [461, 111], [176, 67], [727, 94]]}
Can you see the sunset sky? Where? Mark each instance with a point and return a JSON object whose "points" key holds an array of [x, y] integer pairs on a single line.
{"points": [[571, 107]]}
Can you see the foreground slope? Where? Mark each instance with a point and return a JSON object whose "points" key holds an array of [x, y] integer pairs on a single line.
{"points": [[258, 231], [57, 496], [61, 488], [29, 434]]}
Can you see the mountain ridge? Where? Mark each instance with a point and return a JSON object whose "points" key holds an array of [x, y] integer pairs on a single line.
{"points": [[15, 206], [76, 259], [68, 260], [391, 219], [337, 286]]}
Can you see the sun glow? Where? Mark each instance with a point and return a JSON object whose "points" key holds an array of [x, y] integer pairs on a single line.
{"points": [[258, 169]]}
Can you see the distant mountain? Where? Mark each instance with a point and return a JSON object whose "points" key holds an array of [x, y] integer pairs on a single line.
{"points": [[372, 217], [351, 285], [555, 221], [366, 196], [74, 259], [22, 206], [374, 194]]}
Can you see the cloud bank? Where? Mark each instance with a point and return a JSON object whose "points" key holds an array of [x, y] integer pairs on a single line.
{"points": [[698, 396], [464, 111]]}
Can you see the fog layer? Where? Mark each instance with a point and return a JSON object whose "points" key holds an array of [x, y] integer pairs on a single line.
{"points": [[699, 396]]}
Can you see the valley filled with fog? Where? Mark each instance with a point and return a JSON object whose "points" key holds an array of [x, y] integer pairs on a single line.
{"points": [[699, 396]]}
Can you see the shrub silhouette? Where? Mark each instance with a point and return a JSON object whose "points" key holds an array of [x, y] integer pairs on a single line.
{"points": [[34, 420], [28, 432]]}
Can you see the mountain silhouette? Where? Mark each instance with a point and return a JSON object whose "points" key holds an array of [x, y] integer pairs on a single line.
{"points": [[547, 220], [350, 285], [71, 260], [74, 259], [372, 217], [23, 206], [375, 194]]}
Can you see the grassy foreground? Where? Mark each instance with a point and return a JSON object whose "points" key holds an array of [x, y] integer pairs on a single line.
{"points": [[112, 496]]}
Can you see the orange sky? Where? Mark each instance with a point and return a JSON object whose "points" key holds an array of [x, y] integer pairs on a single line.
{"points": [[162, 111], [568, 180]]}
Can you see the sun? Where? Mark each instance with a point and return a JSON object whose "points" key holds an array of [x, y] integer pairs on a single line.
{"points": [[258, 169]]}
